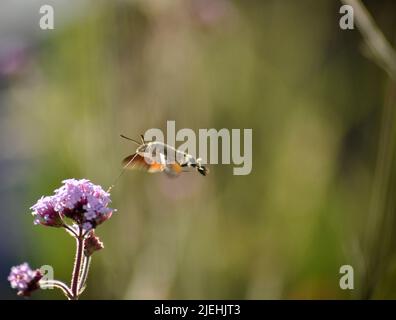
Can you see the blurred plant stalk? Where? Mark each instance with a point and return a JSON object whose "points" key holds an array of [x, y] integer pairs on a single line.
{"points": [[383, 53], [379, 230]]}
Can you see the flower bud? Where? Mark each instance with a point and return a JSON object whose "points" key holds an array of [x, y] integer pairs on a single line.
{"points": [[92, 243]]}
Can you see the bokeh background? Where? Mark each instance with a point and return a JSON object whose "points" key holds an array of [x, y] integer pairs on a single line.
{"points": [[322, 190]]}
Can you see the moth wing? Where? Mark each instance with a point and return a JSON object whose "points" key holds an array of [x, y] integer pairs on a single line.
{"points": [[135, 161]]}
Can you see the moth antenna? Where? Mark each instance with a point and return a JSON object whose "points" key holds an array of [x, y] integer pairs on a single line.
{"points": [[130, 139], [142, 138]]}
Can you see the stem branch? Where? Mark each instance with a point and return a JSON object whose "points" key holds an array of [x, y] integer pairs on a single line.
{"points": [[57, 284], [77, 265], [84, 274]]}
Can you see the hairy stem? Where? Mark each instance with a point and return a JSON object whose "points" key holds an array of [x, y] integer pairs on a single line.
{"points": [[57, 284], [84, 274], [77, 265], [70, 230]]}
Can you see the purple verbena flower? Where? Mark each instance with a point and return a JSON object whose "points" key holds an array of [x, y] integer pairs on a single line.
{"points": [[24, 279], [86, 204], [44, 213], [80, 200], [83, 202]]}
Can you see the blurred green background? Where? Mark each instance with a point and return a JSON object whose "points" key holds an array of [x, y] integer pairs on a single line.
{"points": [[310, 91]]}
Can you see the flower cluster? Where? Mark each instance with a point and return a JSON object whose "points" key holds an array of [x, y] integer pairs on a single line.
{"points": [[80, 200], [87, 206], [44, 213], [24, 279]]}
